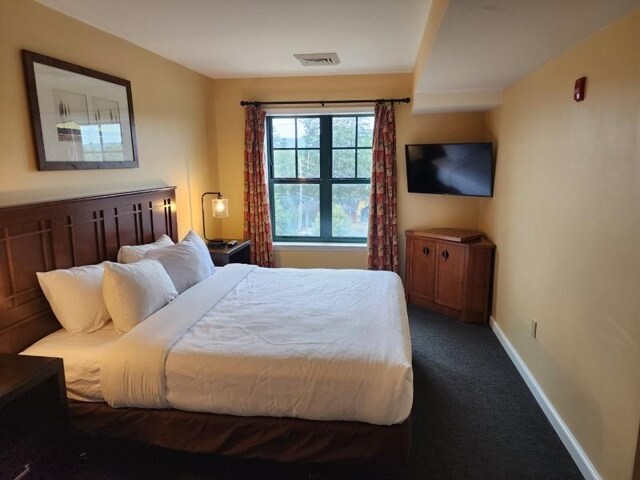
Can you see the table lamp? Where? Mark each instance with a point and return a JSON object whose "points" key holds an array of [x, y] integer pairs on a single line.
{"points": [[219, 209]]}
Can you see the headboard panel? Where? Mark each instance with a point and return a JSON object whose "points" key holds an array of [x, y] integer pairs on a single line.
{"points": [[65, 233]]}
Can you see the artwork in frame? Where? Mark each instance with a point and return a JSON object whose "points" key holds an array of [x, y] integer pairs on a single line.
{"points": [[81, 118]]}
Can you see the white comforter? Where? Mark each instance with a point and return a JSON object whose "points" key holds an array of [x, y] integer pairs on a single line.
{"points": [[315, 344]]}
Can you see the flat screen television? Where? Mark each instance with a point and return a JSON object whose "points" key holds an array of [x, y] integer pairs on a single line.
{"points": [[450, 169]]}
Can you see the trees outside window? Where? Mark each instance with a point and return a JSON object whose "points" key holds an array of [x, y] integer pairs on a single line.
{"points": [[319, 176]]}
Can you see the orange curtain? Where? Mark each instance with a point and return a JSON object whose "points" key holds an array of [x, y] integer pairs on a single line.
{"points": [[257, 219], [382, 243]]}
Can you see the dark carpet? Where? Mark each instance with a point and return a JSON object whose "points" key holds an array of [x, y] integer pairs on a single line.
{"points": [[473, 418]]}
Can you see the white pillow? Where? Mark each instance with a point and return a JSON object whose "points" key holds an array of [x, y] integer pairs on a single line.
{"points": [[133, 253], [193, 238], [135, 291], [75, 296], [187, 262]]}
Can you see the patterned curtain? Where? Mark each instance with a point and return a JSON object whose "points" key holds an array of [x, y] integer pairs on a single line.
{"points": [[257, 221], [382, 244]]}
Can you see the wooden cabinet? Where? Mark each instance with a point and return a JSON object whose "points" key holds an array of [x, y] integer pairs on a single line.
{"points": [[449, 271]]}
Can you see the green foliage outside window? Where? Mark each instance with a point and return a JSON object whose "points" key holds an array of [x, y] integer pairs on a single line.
{"points": [[319, 175]]}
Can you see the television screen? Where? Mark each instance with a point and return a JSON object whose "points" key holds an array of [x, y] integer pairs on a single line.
{"points": [[450, 169]]}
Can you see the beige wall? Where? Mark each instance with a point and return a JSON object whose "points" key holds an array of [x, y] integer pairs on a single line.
{"points": [[566, 221], [321, 258], [171, 105], [414, 210]]}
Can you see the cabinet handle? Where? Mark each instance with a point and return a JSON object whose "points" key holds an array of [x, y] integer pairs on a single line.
{"points": [[425, 250], [445, 254]]}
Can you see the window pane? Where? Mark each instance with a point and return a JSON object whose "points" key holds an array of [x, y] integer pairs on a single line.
{"points": [[365, 131], [297, 210], [344, 163], [284, 163], [364, 163], [93, 157], [350, 210], [284, 133], [308, 132], [309, 163], [344, 132], [113, 157], [111, 135]]}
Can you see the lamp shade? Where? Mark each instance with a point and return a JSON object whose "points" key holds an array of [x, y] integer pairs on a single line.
{"points": [[220, 207]]}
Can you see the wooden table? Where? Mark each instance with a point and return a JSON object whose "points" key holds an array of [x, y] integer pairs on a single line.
{"points": [[239, 253], [33, 414]]}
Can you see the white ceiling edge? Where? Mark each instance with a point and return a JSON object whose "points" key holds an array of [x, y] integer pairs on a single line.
{"points": [[470, 63], [435, 14], [456, 101], [332, 71], [490, 44]]}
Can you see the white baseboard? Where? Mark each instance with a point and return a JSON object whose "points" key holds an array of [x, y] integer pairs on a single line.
{"points": [[573, 447]]}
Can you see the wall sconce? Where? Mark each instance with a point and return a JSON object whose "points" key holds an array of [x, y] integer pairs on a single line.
{"points": [[219, 209]]}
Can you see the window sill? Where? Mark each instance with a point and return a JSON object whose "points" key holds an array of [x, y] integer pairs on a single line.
{"points": [[336, 247]]}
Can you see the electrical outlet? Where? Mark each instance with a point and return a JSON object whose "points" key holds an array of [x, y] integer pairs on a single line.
{"points": [[534, 327]]}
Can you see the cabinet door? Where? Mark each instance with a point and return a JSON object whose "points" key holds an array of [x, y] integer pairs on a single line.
{"points": [[451, 259], [423, 267]]}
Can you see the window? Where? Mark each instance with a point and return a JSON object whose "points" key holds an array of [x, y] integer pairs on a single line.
{"points": [[319, 176]]}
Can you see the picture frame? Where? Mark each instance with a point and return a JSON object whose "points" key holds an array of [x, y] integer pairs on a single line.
{"points": [[81, 119]]}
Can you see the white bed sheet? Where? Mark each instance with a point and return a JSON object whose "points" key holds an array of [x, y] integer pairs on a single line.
{"points": [[315, 344], [82, 356], [309, 343]]}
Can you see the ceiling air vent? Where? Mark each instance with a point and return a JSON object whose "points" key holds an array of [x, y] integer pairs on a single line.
{"points": [[317, 59]]}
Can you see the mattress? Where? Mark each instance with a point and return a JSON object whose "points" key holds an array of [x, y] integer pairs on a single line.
{"points": [[82, 356]]}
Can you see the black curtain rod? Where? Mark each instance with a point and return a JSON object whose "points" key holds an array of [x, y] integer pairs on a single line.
{"points": [[245, 103]]}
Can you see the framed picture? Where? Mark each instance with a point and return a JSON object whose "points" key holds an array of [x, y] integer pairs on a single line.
{"points": [[81, 118]]}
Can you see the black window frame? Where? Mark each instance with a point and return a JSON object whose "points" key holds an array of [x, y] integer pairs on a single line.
{"points": [[325, 181]]}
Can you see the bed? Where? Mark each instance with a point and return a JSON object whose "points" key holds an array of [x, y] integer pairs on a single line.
{"points": [[330, 378]]}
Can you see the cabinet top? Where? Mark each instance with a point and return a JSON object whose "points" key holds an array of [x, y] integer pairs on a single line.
{"points": [[471, 238], [449, 234], [19, 373], [224, 248]]}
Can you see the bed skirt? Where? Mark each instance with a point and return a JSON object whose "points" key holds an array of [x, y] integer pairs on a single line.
{"points": [[266, 438]]}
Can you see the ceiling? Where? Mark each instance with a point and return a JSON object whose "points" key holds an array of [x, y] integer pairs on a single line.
{"points": [[257, 38], [480, 46]]}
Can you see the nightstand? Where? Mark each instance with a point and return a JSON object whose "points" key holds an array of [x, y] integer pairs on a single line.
{"points": [[239, 253], [33, 415]]}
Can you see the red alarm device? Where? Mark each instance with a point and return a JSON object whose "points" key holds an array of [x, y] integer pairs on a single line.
{"points": [[578, 89]]}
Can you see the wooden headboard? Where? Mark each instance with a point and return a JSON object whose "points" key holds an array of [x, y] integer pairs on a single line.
{"points": [[46, 236]]}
